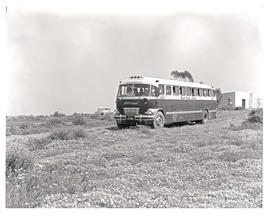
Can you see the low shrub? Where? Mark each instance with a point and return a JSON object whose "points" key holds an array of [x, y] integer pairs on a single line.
{"points": [[246, 125], [251, 125], [79, 133], [231, 108], [60, 133], [40, 118], [226, 108], [254, 121], [79, 120], [58, 114], [52, 121], [255, 116], [17, 158], [233, 155], [23, 126], [12, 130], [239, 108], [94, 116], [68, 133], [36, 144]]}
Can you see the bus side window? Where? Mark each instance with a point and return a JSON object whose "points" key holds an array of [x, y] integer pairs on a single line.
{"points": [[205, 92], [154, 91], [188, 91], [200, 92], [183, 90], [168, 90], [214, 93], [194, 91], [209, 92], [161, 89], [175, 90]]}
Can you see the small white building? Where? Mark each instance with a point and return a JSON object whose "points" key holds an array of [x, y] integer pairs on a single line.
{"points": [[240, 99], [255, 100]]}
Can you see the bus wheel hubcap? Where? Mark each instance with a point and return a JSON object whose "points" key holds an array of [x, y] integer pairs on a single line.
{"points": [[159, 121]]}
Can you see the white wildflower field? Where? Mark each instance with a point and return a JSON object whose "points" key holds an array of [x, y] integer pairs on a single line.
{"points": [[85, 161]]}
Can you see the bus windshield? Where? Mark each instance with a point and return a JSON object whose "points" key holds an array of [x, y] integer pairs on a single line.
{"points": [[133, 90]]}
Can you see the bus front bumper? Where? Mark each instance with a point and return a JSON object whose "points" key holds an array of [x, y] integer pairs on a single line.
{"points": [[124, 119]]}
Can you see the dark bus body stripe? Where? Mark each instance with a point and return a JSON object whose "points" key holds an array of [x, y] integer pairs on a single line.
{"points": [[174, 110]]}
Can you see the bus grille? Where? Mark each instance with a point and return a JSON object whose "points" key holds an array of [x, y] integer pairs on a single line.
{"points": [[131, 111]]}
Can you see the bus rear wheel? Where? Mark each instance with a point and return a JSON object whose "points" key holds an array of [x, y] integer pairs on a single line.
{"points": [[205, 117], [159, 120]]}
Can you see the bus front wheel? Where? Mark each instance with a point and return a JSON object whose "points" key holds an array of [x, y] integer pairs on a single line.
{"points": [[159, 120]]}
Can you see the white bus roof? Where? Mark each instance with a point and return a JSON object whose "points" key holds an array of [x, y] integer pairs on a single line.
{"points": [[156, 81]]}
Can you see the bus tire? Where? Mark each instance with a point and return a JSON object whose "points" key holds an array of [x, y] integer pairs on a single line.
{"points": [[205, 117], [122, 126], [159, 120]]}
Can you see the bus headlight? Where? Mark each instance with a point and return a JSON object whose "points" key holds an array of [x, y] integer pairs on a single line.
{"points": [[116, 112], [149, 112]]}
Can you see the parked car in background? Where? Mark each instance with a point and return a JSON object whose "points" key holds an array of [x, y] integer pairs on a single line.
{"points": [[104, 112]]}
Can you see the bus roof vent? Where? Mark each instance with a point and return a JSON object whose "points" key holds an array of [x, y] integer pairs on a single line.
{"points": [[136, 77]]}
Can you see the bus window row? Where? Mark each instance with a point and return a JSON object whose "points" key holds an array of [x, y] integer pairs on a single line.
{"points": [[130, 90], [185, 91]]}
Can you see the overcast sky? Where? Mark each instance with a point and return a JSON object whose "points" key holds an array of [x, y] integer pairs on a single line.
{"points": [[74, 62]]}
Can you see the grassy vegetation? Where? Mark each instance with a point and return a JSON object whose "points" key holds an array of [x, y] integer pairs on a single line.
{"points": [[254, 121], [97, 165], [256, 116], [24, 125], [79, 120], [68, 133]]}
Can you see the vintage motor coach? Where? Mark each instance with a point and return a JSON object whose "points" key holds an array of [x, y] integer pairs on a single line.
{"points": [[156, 102]]}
